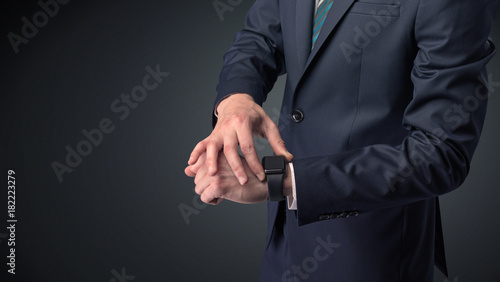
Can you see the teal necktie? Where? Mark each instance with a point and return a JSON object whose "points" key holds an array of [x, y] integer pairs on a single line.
{"points": [[323, 8]]}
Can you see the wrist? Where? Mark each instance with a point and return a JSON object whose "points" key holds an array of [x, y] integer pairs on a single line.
{"points": [[231, 98]]}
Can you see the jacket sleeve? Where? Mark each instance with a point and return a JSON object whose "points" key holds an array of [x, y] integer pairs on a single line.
{"points": [[255, 59], [444, 122]]}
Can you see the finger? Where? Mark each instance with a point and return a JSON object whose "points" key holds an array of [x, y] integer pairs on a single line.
{"points": [[277, 144], [199, 163], [202, 183], [247, 147], [189, 172], [234, 160], [198, 150], [201, 174], [213, 149], [208, 196]]}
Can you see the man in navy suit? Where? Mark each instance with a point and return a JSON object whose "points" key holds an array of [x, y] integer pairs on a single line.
{"points": [[383, 109]]}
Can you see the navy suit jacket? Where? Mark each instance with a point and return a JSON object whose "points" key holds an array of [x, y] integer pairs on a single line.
{"points": [[382, 116]]}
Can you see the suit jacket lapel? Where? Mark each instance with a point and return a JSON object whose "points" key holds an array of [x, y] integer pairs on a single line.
{"points": [[339, 8], [303, 26]]}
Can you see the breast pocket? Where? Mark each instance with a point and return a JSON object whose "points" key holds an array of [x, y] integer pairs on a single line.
{"points": [[380, 9]]}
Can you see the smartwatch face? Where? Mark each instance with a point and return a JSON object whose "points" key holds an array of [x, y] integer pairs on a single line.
{"points": [[274, 164]]}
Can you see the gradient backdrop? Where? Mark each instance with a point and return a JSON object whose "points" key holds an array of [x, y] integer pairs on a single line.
{"points": [[117, 215]]}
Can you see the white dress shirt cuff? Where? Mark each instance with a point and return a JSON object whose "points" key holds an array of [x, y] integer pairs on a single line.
{"points": [[292, 201]]}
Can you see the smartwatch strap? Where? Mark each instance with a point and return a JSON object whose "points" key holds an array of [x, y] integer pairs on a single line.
{"points": [[275, 187]]}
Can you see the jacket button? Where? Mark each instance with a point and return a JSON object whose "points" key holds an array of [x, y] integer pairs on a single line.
{"points": [[297, 116]]}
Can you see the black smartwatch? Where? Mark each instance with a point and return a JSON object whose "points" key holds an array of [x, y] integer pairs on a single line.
{"points": [[275, 169]]}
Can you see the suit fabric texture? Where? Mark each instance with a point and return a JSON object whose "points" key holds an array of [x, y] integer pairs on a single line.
{"points": [[382, 116]]}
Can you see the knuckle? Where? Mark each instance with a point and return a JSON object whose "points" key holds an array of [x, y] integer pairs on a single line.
{"points": [[209, 162], [212, 143], [247, 148], [198, 190], [240, 117]]}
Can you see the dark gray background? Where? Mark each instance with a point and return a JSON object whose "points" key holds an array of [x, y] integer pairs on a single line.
{"points": [[119, 209]]}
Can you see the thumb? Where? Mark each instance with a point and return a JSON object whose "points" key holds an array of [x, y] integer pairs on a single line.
{"points": [[277, 143]]}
